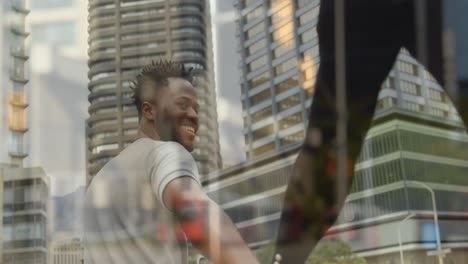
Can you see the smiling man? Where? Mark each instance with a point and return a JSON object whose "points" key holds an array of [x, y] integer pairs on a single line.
{"points": [[147, 203]]}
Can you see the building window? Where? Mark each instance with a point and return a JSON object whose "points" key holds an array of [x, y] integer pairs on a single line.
{"points": [[309, 16], [15, 114], [262, 132], [293, 138], [15, 143], [288, 102], [256, 13], [257, 63], [407, 68], [186, 7], [391, 83], [253, 31], [143, 12], [410, 88], [107, 98], [246, 3], [105, 147], [102, 135], [302, 3], [259, 80], [290, 120], [285, 13], [177, 54], [260, 97], [308, 35], [286, 66], [259, 45], [105, 123], [102, 87], [264, 149], [435, 95], [413, 106], [438, 112], [284, 47], [283, 33], [386, 103], [131, 119], [287, 84], [262, 114], [185, 30], [309, 73]]}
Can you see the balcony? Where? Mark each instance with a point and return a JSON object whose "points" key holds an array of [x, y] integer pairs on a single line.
{"points": [[17, 99]]}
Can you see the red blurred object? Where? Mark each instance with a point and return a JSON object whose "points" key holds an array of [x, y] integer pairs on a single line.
{"points": [[191, 227]]}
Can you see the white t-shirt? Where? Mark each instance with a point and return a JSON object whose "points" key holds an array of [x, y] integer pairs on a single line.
{"points": [[125, 218]]}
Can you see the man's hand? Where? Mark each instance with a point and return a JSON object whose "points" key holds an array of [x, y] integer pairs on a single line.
{"points": [[219, 239]]}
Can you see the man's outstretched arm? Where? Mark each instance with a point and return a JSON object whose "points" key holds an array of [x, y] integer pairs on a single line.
{"points": [[220, 242]]}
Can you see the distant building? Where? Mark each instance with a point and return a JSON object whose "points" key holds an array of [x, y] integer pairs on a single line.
{"points": [[57, 101], [61, 25], [124, 36], [25, 191], [13, 105], [69, 251], [25, 215]]}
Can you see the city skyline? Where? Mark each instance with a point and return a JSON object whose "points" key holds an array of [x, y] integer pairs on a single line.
{"points": [[50, 67]]}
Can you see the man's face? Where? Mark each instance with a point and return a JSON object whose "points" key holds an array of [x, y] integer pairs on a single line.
{"points": [[177, 108]]}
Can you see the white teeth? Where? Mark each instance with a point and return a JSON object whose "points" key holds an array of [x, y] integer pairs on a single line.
{"points": [[190, 129]]}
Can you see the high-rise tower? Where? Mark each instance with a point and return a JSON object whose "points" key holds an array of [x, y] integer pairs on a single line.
{"points": [[126, 35], [13, 79], [24, 191], [279, 54]]}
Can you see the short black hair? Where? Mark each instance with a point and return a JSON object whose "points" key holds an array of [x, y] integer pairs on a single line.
{"points": [[156, 74]]}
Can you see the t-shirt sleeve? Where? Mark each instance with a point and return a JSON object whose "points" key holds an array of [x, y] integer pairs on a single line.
{"points": [[171, 161]]}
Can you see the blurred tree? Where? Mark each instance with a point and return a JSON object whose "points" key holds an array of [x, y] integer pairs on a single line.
{"points": [[326, 252], [334, 252]]}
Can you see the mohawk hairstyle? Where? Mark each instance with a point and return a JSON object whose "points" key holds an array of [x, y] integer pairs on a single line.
{"points": [[156, 74]]}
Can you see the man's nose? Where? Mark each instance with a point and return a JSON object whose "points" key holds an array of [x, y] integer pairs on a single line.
{"points": [[192, 114]]}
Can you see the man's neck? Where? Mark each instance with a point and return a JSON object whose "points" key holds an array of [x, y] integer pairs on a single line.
{"points": [[146, 131]]}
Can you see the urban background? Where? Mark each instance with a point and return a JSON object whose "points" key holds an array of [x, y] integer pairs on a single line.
{"points": [[66, 67]]}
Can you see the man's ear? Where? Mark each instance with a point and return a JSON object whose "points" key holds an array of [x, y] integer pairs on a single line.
{"points": [[148, 111]]}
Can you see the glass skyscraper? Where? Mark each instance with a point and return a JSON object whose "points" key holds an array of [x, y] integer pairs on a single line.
{"points": [[279, 54]]}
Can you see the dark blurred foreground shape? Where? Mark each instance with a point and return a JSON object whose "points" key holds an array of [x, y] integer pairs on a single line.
{"points": [[367, 40]]}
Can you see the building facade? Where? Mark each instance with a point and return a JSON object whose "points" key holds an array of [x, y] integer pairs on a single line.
{"points": [[69, 251], [25, 215], [13, 79], [416, 145], [25, 191], [278, 58], [251, 193], [124, 36]]}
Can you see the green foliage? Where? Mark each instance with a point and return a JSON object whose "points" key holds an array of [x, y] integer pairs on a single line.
{"points": [[334, 252], [265, 253], [326, 252]]}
